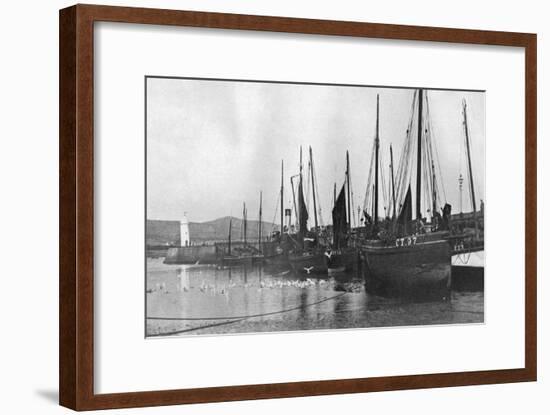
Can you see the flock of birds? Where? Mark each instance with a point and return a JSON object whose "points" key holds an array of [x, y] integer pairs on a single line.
{"points": [[217, 288]]}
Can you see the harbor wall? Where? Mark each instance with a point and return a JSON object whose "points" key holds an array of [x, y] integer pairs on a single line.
{"points": [[191, 254], [209, 254]]}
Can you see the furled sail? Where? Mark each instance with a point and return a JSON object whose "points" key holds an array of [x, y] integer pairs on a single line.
{"points": [[405, 214], [302, 209], [339, 220]]}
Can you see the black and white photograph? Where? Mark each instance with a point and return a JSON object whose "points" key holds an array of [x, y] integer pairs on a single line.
{"points": [[264, 207], [282, 206]]}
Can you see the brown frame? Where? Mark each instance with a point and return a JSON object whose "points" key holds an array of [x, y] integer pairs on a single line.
{"points": [[76, 178]]}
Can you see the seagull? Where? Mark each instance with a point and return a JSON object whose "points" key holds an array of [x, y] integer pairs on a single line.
{"points": [[308, 270], [309, 239], [328, 254]]}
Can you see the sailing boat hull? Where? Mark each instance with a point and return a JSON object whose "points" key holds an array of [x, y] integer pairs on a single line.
{"points": [[342, 262], [419, 270], [276, 260], [229, 261]]}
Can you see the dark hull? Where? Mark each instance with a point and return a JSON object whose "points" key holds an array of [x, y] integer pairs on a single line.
{"points": [[308, 263], [279, 259], [468, 278], [240, 260], [344, 265], [420, 270], [342, 262]]}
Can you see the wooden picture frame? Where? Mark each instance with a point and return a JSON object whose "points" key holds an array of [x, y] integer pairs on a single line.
{"points": [[76, 175]]}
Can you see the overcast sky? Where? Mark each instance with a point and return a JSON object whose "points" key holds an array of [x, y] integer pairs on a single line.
{"points": [[213, 144]]}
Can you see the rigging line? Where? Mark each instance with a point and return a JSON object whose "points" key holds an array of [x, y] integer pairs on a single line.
{"points": [[476, 184], [428, 185], [352, 203], [316, 190], [410, 125], [390, 203], [466, 133], [425, 183], [319, 210], [403, 171], [433, 143], [383, 184], [308, 182], [275, 214], [437, 181], [463, 258], [366, 204], [250, 315], [460, 153], [294, 241], [404, 177], [430, 167]]}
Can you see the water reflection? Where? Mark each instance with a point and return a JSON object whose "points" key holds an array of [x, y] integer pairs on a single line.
{"points": [[183, 279], [206, 299]]}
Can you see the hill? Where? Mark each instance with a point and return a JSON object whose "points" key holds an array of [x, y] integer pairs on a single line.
{"points": [[165, 232]]}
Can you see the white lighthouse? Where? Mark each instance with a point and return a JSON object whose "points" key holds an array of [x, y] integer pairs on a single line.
{"points": [[184, 231]]}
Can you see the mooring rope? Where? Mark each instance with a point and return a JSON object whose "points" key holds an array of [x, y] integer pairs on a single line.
{"points": [[246, 316], [463, 258], [234, 319]]}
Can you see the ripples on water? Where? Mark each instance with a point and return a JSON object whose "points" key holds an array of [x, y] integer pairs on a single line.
{"points": [[204, 299]]}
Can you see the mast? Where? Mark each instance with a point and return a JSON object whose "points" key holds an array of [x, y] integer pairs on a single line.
{"points": [[434, 194], [282, 197], [392, 182], [300, 163], [244, 221], [294, 199], [229, 239], [469, 157], [348, 189], [419, 158], [300, 183], [470, 166], [313, 187], [460, 181], [376, 149], [372, 211], [260, 226]]}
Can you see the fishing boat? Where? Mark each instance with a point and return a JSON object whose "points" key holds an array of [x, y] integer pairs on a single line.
{"points": [[307, 255], [276, 252], [405, 257], [244, 253], [341, 257]]}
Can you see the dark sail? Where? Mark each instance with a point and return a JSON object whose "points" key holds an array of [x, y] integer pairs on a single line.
{"points": [[302, 211], [405, 215], [339, 220]]}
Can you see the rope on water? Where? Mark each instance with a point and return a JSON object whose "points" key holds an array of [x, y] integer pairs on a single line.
{"points": [[231, 320], [246, 316]]}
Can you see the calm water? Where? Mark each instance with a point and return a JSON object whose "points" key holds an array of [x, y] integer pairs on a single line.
{"points": [[203, 299]]}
